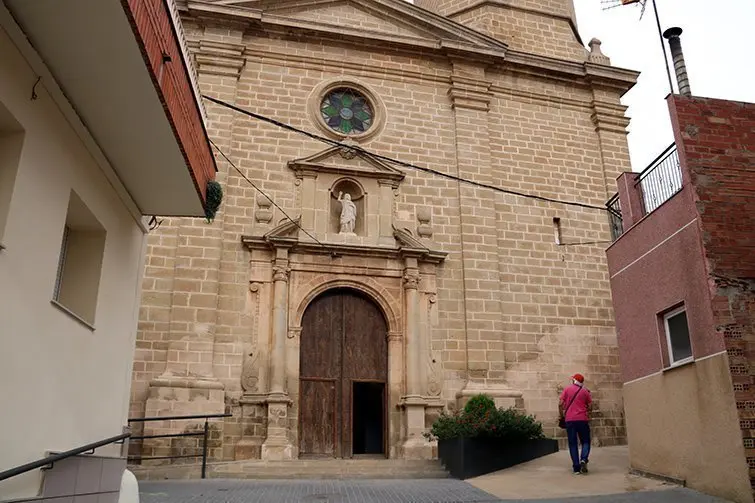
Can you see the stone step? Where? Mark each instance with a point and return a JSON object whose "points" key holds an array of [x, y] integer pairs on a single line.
{"points": [[299, 469]]}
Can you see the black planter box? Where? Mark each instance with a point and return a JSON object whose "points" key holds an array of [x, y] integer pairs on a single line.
{"points": [[470, 457]]}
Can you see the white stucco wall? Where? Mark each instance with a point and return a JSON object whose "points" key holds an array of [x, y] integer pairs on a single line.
{"points": [[62, 384]]}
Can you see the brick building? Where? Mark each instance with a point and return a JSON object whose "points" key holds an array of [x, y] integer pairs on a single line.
{"points": [[685, 343], [446, 289]]}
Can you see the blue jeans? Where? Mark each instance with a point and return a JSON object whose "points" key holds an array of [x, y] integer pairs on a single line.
{"points": [[579, 429]]}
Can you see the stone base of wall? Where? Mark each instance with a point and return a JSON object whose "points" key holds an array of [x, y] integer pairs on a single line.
{"points": [[183, 398]]}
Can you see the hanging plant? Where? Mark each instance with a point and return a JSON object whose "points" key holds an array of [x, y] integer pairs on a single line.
{"points": [[213, 199]]}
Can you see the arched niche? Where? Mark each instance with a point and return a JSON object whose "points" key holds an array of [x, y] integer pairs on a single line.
{"points": [[358, 197]]}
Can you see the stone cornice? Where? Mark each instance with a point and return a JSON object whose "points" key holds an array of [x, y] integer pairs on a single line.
{"points": [[593, 74], [619, 79], [340, 249], [484, 49], [407, 246], [446, 34]]}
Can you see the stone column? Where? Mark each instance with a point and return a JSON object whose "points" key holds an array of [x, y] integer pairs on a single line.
{"points": [[415, 445], [413, 362], [280, 323], [277, 445]]}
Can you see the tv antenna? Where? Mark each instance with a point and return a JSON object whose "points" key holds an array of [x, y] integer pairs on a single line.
{"points": [[611, 4]]}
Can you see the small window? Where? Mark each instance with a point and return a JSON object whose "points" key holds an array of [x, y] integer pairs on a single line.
{"points": [[80, 263], [677, 336]]}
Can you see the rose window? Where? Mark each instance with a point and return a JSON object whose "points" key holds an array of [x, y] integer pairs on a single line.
{"points": [[346, 111]]}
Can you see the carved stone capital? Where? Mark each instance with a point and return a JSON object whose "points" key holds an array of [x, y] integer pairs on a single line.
{"points": [[219, 58], [281, 272], [470, 93], [609, 117], [411, 279]]}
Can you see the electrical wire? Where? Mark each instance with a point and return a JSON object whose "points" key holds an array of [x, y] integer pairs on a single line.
{"points": [[250, 182], [582, 243], [357, 148]]}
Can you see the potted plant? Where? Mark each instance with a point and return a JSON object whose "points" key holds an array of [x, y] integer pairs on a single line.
{"points": [[483, 438]]}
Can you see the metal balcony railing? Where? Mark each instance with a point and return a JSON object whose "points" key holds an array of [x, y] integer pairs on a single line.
{"points": [[614, 217], [661, 179]]}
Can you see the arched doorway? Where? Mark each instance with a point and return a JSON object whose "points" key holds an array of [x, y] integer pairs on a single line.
{"points": [[343, 369]]}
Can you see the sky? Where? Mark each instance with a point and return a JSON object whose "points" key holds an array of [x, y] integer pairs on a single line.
{"points": [[716, 43]]}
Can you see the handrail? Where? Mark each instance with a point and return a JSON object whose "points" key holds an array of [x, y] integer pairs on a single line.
{"points": [[60, 456], [205, 433], [175, 418]]}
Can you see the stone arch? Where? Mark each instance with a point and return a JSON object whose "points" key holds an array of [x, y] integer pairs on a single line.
{"points": [[372, 293]]}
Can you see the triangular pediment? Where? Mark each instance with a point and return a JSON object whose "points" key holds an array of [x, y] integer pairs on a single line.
{"points": [[347, 162], [344, 13], [288, 228], [395, 21]]}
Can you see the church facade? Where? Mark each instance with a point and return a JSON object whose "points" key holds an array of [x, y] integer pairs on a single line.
{"points": [[339, 309]]}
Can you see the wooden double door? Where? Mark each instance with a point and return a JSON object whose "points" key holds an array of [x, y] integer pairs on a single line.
{"points": [[343, 377]]}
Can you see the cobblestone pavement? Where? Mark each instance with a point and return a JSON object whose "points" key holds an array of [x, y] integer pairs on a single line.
{"points": [[369, 491]]}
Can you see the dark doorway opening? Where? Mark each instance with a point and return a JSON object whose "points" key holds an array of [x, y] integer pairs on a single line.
{"points": [[368, 415]]}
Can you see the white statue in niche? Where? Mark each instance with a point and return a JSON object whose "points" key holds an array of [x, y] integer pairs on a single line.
{"points": [[348, 214]]}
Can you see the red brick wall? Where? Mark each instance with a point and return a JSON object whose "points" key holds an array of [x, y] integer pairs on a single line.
{"points": [[154, 29], [716, 141]]}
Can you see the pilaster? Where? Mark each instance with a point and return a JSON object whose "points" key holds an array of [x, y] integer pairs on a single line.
{"points": [[277, 445], [416, 446], [470, 99], [192, 382], [609, 117]]}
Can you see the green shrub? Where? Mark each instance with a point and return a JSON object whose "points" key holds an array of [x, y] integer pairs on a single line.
{"points": [[480, 418]]}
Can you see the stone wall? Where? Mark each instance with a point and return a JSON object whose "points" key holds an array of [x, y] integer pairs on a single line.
{"points": [[509, 312]]}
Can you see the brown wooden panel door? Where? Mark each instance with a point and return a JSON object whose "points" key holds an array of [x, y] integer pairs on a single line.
{"points": [[365, 355], [321, 332], [343, 340], [317, 432]]}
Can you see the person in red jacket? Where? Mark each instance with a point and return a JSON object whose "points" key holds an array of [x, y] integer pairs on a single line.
{"points": [[574, 406]]}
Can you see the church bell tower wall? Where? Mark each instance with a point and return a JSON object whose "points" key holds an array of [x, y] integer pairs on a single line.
{"points": [[546, 27]]}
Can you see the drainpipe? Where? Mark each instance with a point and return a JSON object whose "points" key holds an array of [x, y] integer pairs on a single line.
{"points": [[677, 56]]}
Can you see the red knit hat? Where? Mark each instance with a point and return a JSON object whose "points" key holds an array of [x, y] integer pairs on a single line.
{"points": [[578, 377]]}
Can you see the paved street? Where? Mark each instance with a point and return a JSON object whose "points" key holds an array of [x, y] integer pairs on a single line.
{"points": [[369, 491]]}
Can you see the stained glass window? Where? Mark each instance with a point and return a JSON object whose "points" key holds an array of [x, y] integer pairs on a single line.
{"points": [[347, 111]]}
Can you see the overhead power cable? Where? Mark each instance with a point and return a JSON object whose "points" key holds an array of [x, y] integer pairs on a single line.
{"points": [[396, 161], [250, 182]]}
